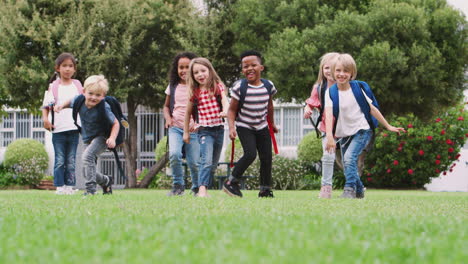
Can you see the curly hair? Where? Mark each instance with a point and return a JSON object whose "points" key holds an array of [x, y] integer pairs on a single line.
{"points": [[174, 78]]}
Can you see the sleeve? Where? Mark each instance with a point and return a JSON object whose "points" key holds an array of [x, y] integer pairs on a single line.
{"points": [[273, 89], [109, 115], [313, 101], [168, 90], [48, 97], [235, 91], [328, 100]]}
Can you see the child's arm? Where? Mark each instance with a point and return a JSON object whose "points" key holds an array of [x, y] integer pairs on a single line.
{"points": [[331, 145], [167, 112], [188, 114], [66, 104], [113, 135], [225, 103], [231, 117], [270, 114], [378, 115], [312, 102], [45, 119]]}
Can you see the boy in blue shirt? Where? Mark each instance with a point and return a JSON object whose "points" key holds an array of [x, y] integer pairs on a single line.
{"points": [[96, 115]]}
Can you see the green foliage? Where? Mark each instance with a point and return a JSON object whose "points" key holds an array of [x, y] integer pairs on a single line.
{"points": [[161, 148], [309, 149], [29, 160], [424, 152], [7, 176]]}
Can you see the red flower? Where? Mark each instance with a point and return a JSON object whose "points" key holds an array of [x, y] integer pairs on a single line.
{"points": [[460, 118], [438, 120], [457, 156], [385, 135], [445, 173], [449, 157], [437, 162], [410, 125], [442, 132], [399, 148], [429, 138], [421, 152], [449, 142], [466, 135], [437, 170], [450, 150], [438, 157], [389, 170], [410, 171], [368, 174], [395, 162], [369, 179]]}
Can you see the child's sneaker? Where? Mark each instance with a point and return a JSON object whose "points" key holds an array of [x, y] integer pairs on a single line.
{"points": [[88, 193], [348, 193], [60, 190], [69, 190], [232, 188], [266, 194], [107, 188], [360, 195], [177, 190], [325, 192], [195, 191]]}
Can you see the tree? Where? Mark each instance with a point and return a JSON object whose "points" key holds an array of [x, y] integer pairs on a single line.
{"points": [[130, 42]]}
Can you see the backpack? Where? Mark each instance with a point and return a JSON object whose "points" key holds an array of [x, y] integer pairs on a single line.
{"points": [[195, 102], [357, 87], [172, 88], [56, 83], [243, 90], [117, 111]]}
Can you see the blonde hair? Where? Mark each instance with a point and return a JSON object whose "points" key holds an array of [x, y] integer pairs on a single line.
{"points": [[96, 83], [327, 58], [213, 79], [348, 64]]}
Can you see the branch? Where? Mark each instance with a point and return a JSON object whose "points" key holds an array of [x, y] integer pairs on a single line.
{"points": [[155, 169]]}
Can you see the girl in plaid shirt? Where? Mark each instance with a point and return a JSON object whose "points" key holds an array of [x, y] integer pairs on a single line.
{"points": [[208, 103]]}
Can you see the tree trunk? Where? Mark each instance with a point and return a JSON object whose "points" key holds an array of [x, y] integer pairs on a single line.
{"points": [[131, 144], [155, 169]]}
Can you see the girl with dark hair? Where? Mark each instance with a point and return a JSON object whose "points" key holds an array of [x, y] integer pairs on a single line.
{"points": [[65, 134], [174, 111]]}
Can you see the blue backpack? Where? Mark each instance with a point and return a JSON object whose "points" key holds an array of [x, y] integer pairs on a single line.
{"points": [[358, 88]]}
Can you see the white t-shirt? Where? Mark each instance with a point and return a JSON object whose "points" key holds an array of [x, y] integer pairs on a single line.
{"points": [[351, 119], [63, 120]]}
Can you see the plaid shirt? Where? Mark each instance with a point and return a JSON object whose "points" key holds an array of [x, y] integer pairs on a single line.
{"points": [[208, 109]]}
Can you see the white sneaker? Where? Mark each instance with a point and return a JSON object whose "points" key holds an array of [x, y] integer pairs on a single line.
{"points": [[69, 190], [60, 190]]}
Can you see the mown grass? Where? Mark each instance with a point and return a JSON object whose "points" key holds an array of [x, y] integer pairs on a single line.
{"points": [[145, 226]]}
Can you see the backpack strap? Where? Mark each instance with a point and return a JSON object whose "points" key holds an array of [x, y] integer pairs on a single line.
{"points": [[56, 83], [244, 85], [79, 101], [194, 99], [336, 104], [364, 88], [172, 89]]}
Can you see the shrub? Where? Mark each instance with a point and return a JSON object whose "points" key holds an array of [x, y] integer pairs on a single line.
{"points": [[413, 158], [309, 149], [29, 160], [7, 177], [160, 148]]}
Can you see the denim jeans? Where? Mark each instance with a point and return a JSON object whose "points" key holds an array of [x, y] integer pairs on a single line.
{"points": [[328, 162], [211, 142], [91, 153], [253, 141], [65, 144], [351, 148], [192, 155]]}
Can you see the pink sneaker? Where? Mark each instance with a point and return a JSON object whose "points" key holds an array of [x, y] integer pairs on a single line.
{"points": [[325, 192]]}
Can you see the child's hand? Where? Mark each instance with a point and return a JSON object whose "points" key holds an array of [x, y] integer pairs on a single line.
{"points": [[48, 125], [186, 137], [232, 134], [110, 142], [331, 145], [396, 129], [275, 129], [222, 114], [58, 108], [307, 111], [192, 128], [168, 123]]}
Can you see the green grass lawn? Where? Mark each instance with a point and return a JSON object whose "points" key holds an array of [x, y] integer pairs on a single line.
{"points": [[145, 226]]}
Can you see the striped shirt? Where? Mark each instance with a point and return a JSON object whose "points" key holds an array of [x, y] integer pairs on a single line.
{"points": [[208, 109], [253, 114]]}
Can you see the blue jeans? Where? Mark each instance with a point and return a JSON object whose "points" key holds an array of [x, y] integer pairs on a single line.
{"points": [[211, 142], [65, 144], [91, 153], [351, 148], [328, 162], [192, 155]]}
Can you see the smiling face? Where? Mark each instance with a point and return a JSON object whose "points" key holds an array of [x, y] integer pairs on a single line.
{"points": [[66, 69], [182, 69], [327, 72], [342, 75], [93, 97], [252, 69], [201, 74]]}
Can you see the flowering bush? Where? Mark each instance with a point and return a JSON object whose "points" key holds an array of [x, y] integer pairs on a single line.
{"points": [[423, 152], [28, 159], [309, 149]]}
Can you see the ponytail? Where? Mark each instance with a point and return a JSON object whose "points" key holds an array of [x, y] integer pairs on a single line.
{"points": [[54, 77]]}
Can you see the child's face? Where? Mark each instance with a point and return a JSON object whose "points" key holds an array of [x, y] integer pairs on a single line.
{"points": [[66, 69], [201, 73], [327, 72], [252, 68], [92, 98], [342, 75], [182, 69]]}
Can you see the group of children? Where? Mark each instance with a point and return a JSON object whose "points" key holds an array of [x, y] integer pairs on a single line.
{"points": [[195, 109]]}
